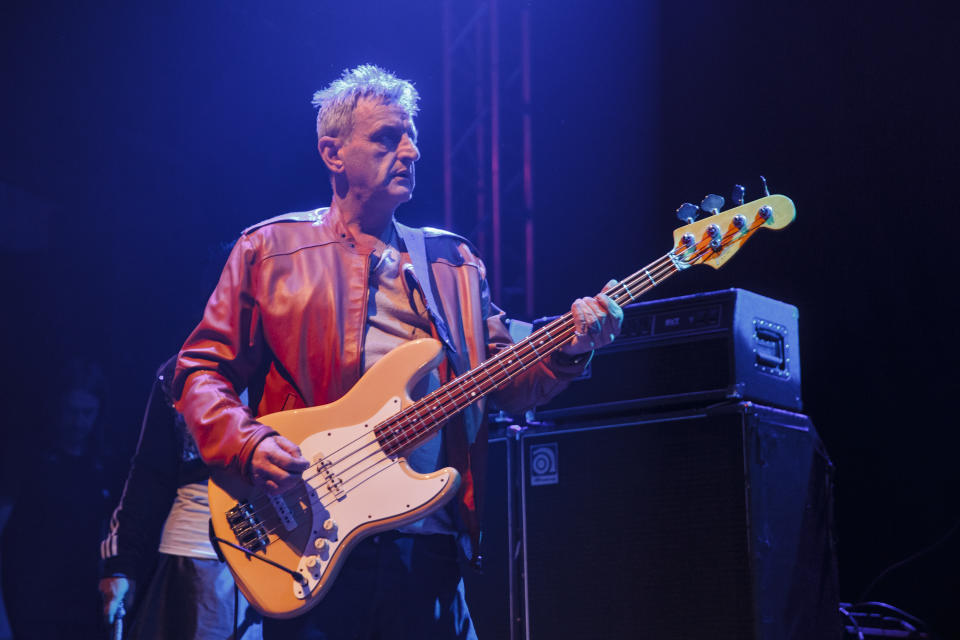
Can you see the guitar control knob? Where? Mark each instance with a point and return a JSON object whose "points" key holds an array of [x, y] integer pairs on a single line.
{"points": [[320, 544], [329, 524]]}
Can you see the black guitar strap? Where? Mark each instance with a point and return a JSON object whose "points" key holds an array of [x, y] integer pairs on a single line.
{"points": [[417, 250]]}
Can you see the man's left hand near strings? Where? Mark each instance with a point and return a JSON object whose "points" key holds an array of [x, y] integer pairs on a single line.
{"points": [[597, 322]]}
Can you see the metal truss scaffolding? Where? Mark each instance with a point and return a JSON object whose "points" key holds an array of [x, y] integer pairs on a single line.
{"points": [[487, 141]]}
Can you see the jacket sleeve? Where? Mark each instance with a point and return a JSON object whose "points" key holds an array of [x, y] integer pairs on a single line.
{"points": [[137, 522], [538, 384], [216, 364]]}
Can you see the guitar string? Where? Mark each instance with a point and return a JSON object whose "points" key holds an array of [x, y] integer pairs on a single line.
{"points": [[387, 433], [372, 466], [388, 425], [515, 361], [395, 436], [639, 279], [464, 386], [551, 345], [390, 463], [376, 450], [553, 342], [494, 381], [410, 433]]}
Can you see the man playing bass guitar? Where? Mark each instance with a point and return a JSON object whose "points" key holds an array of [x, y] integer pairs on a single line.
{"points": [[308, 302]]}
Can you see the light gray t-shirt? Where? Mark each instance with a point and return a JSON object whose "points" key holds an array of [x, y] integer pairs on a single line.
{"points": [[396, 314], [185, 530]]}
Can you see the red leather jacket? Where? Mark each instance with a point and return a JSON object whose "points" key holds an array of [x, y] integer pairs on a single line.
{"points": [[287, 322]]}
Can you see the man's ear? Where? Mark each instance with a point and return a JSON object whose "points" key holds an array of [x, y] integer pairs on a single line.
{"points": [[329, 149]]}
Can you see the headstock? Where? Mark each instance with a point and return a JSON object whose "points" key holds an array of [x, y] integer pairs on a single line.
{"points": [[713, 240]]}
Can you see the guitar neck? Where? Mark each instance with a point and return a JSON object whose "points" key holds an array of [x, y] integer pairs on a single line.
{"points": [[421, 420]]}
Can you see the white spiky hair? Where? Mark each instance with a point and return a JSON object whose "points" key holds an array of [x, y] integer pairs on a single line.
{"points": [[337, 102]]}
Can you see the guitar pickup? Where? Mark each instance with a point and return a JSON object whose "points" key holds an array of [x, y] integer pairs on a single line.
{"points": [[283, 512]]}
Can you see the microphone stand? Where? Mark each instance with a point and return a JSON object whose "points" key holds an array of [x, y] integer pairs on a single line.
{"points": [[117, 633]]}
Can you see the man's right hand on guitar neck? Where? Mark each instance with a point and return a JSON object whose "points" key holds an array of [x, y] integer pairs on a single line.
{"points": [[276, 464]]}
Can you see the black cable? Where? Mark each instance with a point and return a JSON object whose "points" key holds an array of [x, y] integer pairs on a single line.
{"points": [[236, 610], [909, 559], [296, 576], [906, 617]]}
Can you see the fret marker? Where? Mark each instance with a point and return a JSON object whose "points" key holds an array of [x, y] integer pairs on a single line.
{"points": [[649, 276], [628, 289]]}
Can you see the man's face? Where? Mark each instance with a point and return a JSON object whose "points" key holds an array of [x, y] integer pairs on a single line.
{"points": [[379, 154]]}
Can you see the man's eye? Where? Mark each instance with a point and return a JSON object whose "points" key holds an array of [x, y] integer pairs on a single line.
{"points": [[388, 139]]}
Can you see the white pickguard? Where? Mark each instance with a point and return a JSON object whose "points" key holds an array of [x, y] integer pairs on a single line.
{"points": [[357, 485]]}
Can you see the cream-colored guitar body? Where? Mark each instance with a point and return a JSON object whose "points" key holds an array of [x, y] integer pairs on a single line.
{"points": [[352, 490]]}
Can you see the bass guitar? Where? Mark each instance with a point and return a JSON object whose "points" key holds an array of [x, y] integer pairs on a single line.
{"points": [[285, 550]]}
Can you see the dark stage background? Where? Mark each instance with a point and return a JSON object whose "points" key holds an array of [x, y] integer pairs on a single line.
{"points": [[137, 141]]}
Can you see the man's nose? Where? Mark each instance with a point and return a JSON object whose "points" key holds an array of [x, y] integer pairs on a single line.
{"points": [[408, 149]]}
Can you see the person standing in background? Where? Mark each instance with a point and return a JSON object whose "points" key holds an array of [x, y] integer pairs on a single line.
{"points": [[159, 539], [60, 501]]}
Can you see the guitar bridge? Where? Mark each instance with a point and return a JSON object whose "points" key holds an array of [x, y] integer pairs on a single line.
{"points": [[247, 527]]}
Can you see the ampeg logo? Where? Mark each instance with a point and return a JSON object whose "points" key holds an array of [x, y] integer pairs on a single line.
{"points": [[543, 464]]}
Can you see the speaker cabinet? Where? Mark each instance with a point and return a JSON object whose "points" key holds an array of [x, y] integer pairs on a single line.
{"points": [[708, 524], [735, 344]]}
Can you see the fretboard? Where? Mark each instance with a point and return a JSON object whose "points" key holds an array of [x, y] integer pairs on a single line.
{"points": [[415, 424]]}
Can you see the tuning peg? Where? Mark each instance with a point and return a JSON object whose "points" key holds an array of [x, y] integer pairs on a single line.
{"points": [[739, 192], [712, 204], [766, 191], [687, 212]]}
